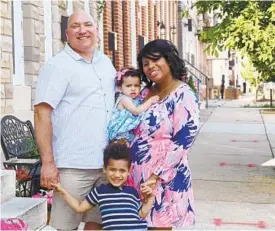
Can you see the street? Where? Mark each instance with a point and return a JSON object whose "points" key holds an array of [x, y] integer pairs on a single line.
{"points": [[231, 188]]}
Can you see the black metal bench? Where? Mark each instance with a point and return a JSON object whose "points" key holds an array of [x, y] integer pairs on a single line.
{"points": [[20, 150]]}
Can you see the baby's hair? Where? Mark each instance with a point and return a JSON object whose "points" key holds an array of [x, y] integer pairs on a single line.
{"points": [[117, 150], [126, 72]]}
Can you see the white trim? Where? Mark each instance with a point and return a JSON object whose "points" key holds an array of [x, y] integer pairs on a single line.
{"points": [[86, 6], [134, 33], [101, 33], [48, 29], [143, 2], [19, 76], [162, 13], [69, 7]]}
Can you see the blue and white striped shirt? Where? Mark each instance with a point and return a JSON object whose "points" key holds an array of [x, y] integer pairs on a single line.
{"points": [[81, 94], [119, 208]]}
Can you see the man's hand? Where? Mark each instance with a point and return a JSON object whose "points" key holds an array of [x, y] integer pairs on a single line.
{"points": [[49, 175]]}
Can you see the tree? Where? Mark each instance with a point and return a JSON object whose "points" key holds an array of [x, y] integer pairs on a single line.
{"points": [[190, 82], [248, 73], [246, 26]]}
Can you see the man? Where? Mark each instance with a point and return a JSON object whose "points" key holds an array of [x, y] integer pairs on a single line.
{"points": [[74, 101], [222, 87]]}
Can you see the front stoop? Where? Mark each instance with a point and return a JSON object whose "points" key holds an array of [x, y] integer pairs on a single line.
{"points": [[33, 211], [7, 185]]}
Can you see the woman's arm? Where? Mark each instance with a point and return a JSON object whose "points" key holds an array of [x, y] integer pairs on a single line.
{"points": [[136, 110], [76, 205]]}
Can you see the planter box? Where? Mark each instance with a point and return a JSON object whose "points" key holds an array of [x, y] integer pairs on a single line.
{"points": [[232, 93]]}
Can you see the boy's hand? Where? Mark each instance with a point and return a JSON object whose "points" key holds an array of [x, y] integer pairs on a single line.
{"points": [[154, 99], [146, 191], [57, 187]]}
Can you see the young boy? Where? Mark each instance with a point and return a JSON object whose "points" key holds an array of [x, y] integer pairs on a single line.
{"points": [[120, 205]]}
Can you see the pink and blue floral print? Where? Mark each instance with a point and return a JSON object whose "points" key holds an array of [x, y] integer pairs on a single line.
{"points": [[161, 144]]}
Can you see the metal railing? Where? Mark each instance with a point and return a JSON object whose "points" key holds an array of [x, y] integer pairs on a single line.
{"points": [[204, 75]]}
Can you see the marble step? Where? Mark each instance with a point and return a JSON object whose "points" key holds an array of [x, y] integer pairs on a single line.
{"points": [[33, 211], [7, 185]]}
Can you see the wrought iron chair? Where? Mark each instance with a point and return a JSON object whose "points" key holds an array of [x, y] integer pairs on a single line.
{"points": [[20, 150]]}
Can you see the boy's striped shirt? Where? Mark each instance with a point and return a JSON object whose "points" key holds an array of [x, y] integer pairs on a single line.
{"points": [[119, 208]]}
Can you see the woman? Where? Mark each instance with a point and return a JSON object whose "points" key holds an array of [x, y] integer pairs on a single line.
{"points": [[164, 136]]}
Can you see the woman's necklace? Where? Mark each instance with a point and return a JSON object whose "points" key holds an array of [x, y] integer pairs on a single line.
{"points": [[165, 91]]}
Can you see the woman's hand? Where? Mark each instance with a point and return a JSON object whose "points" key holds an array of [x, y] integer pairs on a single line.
{"points": [[146, 192], [151, 182]]}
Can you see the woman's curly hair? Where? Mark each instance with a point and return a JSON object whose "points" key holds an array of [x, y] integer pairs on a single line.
{"points": [[157, 49]]}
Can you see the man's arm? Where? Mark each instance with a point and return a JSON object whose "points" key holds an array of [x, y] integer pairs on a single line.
{"points": [[43, 133]]}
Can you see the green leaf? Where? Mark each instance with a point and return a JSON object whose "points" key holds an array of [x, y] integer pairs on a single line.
{"points": [[246, 26]]}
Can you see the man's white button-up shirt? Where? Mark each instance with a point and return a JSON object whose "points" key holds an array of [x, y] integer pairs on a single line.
{"points": [[81, 94]]}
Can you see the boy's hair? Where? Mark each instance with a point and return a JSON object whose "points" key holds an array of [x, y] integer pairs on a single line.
{"points": [[117, 150], [126, 72]]}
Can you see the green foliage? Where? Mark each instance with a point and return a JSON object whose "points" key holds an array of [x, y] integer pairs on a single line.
{"points": [[100, 7], [190, 82], [30, 145], [246, 26], [259, 106], [184, 13], [249, 73]]}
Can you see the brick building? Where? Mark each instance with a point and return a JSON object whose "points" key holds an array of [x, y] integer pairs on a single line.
{"points": [[31, 33]]}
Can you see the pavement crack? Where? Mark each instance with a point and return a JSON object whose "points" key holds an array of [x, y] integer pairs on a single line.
{"points": [[269, 142]]}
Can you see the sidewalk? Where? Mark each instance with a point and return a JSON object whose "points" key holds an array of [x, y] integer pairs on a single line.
{"points": [[231, 187]]}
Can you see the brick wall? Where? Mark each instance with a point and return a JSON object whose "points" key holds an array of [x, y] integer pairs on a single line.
{"points": [[6, 58], [33, 33], [107, 22], [144, 21], [166, 18], [93, 9], [127, 34], [161, 17], [138, 23], [151, 24], [33, 41], [78, 4], [118, 28], [122, 26], [58, 9], [156, 19], [175, 18]]}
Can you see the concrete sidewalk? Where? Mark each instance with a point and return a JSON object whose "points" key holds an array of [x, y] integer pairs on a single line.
{"points": [[232, 189]]}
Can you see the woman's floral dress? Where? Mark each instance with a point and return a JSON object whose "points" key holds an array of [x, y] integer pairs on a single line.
{"points": [[163, 138]]}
